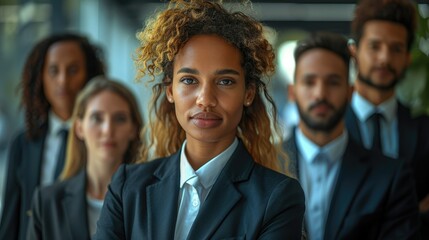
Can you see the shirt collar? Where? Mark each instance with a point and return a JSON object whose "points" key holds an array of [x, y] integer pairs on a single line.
{"points": [[334, 149], [364, 109], [56, 124], [208, 173]]}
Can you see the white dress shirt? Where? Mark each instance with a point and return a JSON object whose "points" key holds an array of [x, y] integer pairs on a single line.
{"points": [[318, 172], [94, 210], [51, 148], [388, 126], [207, 175]]}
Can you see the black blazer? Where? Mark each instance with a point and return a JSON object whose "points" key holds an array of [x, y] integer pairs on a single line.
{"points": [[374, 197], [247, 201], [59, 211], [413, 135], [23, 176]]}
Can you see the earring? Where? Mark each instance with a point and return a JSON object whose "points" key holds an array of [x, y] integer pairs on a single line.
{"points": [[248, 104]]}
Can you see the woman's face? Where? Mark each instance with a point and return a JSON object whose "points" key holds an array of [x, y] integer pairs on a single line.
{"points": [[106, 128], [208, 89], [64, 75]]}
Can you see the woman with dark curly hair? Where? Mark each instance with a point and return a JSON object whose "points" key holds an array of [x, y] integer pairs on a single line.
{"points": [[211, 130], [56, 70]]}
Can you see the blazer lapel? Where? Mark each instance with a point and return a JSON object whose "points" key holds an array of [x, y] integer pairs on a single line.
{"points": [[162, 199], [217, 206], [292, 151], [353, 125], [75, 206], [32, 159], [352, 173], [407, 133]]}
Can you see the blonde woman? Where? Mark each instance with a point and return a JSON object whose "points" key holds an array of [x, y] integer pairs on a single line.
{"points": [[104, 134], [210, 128]]}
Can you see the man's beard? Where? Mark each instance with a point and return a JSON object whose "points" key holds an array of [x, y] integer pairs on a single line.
{"points": [[368, 81], [327, 126]]}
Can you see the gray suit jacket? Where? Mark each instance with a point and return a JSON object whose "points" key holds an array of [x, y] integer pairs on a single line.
{"points": [[59, 211], [247, 201]]}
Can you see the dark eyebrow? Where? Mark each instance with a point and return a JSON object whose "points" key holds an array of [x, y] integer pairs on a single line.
{"points": [[227, 71], [218, 72], [188, 70]]}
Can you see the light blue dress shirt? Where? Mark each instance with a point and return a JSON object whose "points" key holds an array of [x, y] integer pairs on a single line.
{"points": [[388, 126], [206, 175], [318, 172], [51, 148]]}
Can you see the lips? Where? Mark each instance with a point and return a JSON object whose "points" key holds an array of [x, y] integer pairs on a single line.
{"points": [[206, 119], [321, 107], [108, 144], [384, 71]]}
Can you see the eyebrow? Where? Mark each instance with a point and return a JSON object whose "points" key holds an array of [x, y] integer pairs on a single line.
{"points": [[218, 72]]}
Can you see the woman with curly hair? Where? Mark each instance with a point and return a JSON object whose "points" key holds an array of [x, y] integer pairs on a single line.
{"points": [[215, 174], [56, 70], [105, 133]]}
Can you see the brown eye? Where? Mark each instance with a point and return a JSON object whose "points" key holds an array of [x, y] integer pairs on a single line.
{"points": [[96, 118], [52, 70], [226, 82]]}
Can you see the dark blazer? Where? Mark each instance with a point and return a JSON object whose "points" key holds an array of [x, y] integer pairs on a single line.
{"points": [[374, 197], [23, 176], [59, 211], [413, 135], [247, 201]]}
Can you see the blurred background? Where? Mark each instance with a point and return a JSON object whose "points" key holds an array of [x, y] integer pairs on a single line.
{"points": [[112, 25]]}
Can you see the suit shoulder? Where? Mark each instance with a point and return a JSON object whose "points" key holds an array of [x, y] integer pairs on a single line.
{"points": [[271, 178], [137, 173], [131, 169]]}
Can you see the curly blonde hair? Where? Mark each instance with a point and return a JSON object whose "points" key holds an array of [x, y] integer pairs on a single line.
{"points": [[162, 38]]}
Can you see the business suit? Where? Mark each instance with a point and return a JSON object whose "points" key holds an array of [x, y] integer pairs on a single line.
{"points": [[23, 176], [413, 135], [373, 197], [247, 201], [59, 211]]}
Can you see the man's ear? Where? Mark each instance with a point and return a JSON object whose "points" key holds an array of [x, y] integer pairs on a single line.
{"points": [[353, 49]]}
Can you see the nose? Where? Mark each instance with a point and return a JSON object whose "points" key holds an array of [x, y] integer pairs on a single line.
{"points": [[320, 91], [206, 97], [384, 55], [108, 128], [62, 78]]}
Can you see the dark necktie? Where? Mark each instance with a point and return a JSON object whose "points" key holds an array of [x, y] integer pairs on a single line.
{"points": [[376, 142], [63, 133]]}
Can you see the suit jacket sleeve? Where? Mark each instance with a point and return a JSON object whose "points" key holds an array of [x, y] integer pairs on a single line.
{"points": [[401, 220], [110, 225], [34, 230], [284, 213], [9, 227]]}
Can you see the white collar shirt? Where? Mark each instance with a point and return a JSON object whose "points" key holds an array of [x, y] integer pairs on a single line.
{"points": [[207, 176]]}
